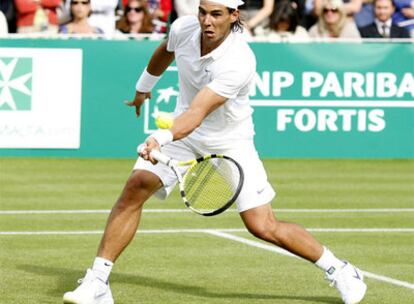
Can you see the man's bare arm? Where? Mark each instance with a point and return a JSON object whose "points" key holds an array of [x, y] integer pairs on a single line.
{"points": [[205, 102], [159, 62]]}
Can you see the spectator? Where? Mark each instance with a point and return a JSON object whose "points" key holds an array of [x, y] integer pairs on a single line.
{"points": [[80, 10], [404, 14], [9, 11], [34, 16], [160, 11], [383, 26], [361, 11], [4, 28], [351, 7], [136, 18], [333, 22], [284, 24], [103, 15], [256, 13]]}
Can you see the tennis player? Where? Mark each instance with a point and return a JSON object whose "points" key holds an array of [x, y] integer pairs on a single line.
{"points": [[216, 68]]}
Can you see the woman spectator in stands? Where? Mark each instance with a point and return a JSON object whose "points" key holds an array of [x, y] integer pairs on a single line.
{"points": [[361, 11], [34, 16], [80, 10], [284, 24], [136, 18], [333, 22]]}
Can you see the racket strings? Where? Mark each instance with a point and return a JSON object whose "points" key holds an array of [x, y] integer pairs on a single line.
{"points": [[211, 184], [205, 172]]}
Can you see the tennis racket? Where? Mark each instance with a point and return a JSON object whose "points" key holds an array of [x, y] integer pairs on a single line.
{"points": [[211, 184]]}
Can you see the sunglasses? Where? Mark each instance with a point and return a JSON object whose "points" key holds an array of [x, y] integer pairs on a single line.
{"points": [[135, 9], [332, 10], [80, 2]]}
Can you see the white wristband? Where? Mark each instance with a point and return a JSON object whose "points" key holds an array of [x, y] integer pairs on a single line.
{"points": [[163, 137], [146, 82]]}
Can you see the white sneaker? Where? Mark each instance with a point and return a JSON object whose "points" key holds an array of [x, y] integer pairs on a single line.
{"points": [[90, 291], [349, 281]]}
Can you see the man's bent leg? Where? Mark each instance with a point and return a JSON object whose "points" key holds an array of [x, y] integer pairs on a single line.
{"points": [[261, 222]]}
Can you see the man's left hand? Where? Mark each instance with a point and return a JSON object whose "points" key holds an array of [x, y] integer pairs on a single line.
{"points": [[138, 101]]}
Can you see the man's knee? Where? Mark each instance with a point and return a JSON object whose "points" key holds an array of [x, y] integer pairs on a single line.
{"points": [[266, 230], [139, 187], [261, 222], [141, 180]]}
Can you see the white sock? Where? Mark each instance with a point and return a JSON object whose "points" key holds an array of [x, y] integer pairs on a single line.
{"points": [[328, 262], [102, 268]]}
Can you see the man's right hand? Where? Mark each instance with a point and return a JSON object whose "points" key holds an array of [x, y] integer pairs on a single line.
{"points": [[146, 148], [138, 101]]}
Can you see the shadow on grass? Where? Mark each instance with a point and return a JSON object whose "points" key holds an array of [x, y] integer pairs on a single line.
{"points": [[66, 280]]}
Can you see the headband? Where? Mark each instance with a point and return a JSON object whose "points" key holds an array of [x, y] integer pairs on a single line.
{"points": [[229, 3]]}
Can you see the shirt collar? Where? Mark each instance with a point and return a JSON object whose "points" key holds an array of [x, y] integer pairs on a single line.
{"points": [[380, 23]]}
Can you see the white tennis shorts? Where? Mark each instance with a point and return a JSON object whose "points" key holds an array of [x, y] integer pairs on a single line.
{"points": [[256, 190]]}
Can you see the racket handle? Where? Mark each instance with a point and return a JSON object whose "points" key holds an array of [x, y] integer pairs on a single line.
{"points": [[157, 155]]}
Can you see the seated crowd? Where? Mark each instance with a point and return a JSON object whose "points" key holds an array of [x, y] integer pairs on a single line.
{"points": [[266, 20]]}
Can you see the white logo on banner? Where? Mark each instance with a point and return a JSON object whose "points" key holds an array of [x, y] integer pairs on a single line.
{"points": [[40, 98], [8, 83]]}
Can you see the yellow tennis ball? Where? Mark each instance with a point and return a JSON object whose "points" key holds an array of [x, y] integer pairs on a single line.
{"points": [[164, 120]]}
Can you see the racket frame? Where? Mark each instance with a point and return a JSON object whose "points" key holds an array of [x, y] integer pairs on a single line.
{"points": [[174, 164]]}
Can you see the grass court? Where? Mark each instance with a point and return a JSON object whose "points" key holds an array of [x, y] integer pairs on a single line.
{"points": [[53, 211]]}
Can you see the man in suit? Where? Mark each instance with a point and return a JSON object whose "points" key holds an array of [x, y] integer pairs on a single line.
{"points": [[383, 27]]}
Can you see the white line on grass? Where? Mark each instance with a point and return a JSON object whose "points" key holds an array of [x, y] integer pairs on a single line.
{"points": [[17, 212], [222, 234], [284, 252], [364, 230], [183, 210], [388, 280], [92, 232], [161, 231]]}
